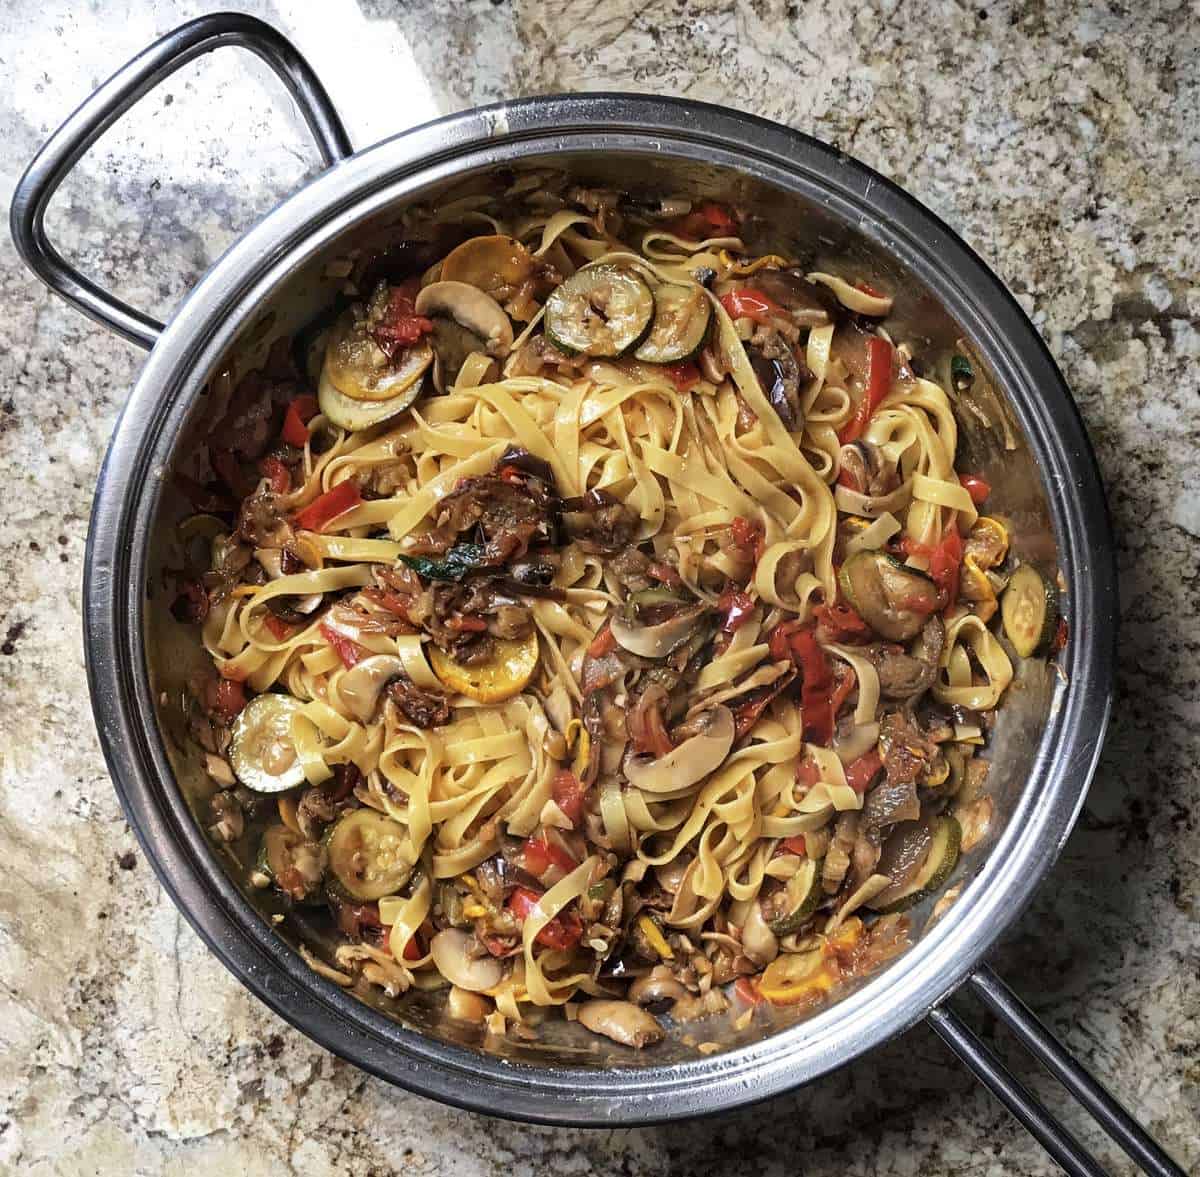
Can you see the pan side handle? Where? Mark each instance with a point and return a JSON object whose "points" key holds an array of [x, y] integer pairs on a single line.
{"points": [[1054, 1136], [101, 109]]}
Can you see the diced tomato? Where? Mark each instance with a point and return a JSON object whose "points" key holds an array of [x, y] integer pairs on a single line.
{"points": [[795, 844], [541, 853], [749, 303], [665, 573], [322, 511], [231, 697], [863, 771], [683, 376], [569, 794], [945, 560], [400, 326], [879, 384], [277, 474], [295, 421], [747, 991], [348, 650], [603, 643], [464, 624], [737, 607], [278, 628], [562, 932], [976, 487], [749, 535], [842, 622]]}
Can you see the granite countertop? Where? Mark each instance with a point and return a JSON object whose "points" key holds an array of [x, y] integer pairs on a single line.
{"points": [[1062, 140]]}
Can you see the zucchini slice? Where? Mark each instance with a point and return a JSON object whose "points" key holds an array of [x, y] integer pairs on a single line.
{"points": [[505, 674], [943, 854], [892, 598], [801, 895], [681, 318], [1029, 608], [294, 864], [601, 311], [366, 854], [261, 753]]}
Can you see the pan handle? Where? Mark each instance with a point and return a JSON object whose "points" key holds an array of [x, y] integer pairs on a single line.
{"points": [[1054, 1137], [98, 112]]}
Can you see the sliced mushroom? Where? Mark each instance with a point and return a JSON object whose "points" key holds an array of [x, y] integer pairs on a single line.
{"points": [[656, 641], [658, 988], [759, 943], [363, 683], [451, 954], [692, 761], [468, 306], [622, 1021]]}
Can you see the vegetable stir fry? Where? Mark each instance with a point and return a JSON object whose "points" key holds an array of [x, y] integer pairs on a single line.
{"points": [[598, 618]]}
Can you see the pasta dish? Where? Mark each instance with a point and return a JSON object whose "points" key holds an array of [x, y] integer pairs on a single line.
{"points": [[599, 621]]}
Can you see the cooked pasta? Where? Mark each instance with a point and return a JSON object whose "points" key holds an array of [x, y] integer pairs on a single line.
{"points": [[604, 621]]}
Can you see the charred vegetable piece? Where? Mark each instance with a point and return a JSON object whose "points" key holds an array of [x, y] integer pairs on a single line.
{"points": [[505, 674], [357, 367], [681, 318], [454, 565], [294, 864], [801, 895], [892, 598], [347, 413], [1029, 608], [366, 854], [602, 311], [943, 854], [262, 753], [492, 263]]}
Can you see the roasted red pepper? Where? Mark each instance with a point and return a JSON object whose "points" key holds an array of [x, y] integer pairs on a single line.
{"points": [[277, 474], [278, 628], [749, 536], [976, 487], [879, 384], [749, 303], [665, 573], [569, 794], [863, 771], [706, 220], [562, 932], [737, 607], [815, 691], [945, 560], [603, 643], [807, 772], [348, 650], [464, 624], [322, 511], [795, 845], [683, 376], [295, 421]]}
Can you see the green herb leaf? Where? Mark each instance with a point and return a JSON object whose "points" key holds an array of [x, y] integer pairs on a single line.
{"points": [[454, 565]]}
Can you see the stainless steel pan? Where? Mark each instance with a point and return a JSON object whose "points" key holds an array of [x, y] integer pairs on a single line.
{"points": [[1027, 439]]}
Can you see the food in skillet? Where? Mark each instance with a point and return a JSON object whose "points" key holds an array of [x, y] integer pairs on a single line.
{"points": [[599, 619]]}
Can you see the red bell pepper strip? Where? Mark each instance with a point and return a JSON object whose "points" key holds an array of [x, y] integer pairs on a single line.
{"points": [[683, 376], [562, 932], [747, 992], [976, 487], [879, 384], [603, 643], [295, 421], [737, 607], [749, 303], [348, 650], [322, 511], [815, 690], [795, 844], [413, 950], [230, 698], [278, 628], [945, 560], [863, 771], [277, 474], [569, 794], [464, 624], [540, 854]]}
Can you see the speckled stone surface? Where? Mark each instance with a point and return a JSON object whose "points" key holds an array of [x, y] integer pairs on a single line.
{"points": [[1063, 141]]}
